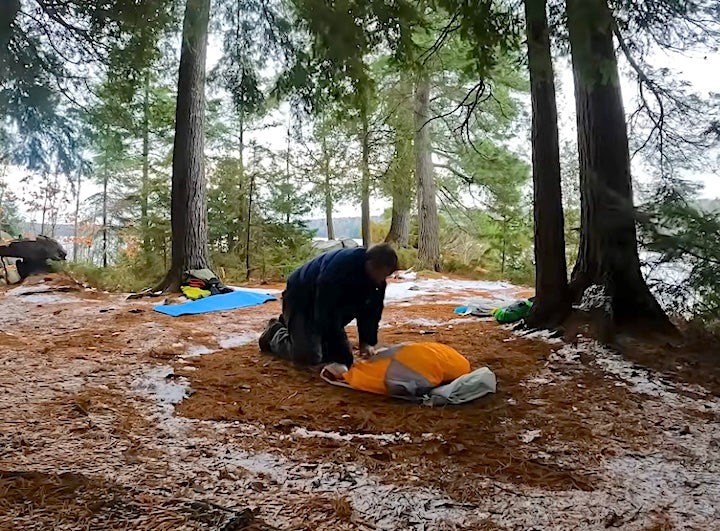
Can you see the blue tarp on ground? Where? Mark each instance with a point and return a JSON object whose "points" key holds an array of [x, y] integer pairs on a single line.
{"points": [[216, 303]]}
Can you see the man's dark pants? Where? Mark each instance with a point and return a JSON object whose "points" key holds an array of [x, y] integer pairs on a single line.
{"points": [[298, 340]]}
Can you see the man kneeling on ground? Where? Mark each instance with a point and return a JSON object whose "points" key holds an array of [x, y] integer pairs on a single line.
{"points": [[322, 297]]}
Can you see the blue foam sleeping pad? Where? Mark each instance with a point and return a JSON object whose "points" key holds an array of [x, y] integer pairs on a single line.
{"points": [[216, 303]]}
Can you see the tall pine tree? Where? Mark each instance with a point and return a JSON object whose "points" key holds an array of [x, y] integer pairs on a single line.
{"points": [[608, 255], [189, 195], [552, 302]]}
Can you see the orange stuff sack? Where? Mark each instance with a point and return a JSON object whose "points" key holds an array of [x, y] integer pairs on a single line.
{"points": [[409, 370]]}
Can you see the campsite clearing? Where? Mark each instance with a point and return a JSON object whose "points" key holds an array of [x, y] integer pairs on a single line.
{"points": [[115, 416]]}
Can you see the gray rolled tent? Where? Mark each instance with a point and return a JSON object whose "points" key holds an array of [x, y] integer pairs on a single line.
{"points": [[325, 246]]}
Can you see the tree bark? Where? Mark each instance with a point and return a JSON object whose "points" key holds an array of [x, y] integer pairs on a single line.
{"points": [[105, 216], [608, 254], [44, 210], [402, 185], [288, 191], [365, 168], [249, 226], [399, 233], [189, 194], [53, 207], [552, 294], [428, 223], [145, 184], [327, 190], [241, 177], [76, 229]]}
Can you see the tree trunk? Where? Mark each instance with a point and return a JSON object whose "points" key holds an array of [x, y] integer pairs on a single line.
{"points": [[402, 197], [552, 295], [2, 196], [504, 247], [608, 255], [288, 190], [327, 190], [145, 184], [76, 229], [399, 233], [428, 223], [54, 208], [403, 182], [365, 192], [189, 194], [249, 226], [44, 210], [241, 178], [105, 216]]}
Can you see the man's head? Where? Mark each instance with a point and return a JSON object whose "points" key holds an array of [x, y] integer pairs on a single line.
{"points": [[381, 261]]}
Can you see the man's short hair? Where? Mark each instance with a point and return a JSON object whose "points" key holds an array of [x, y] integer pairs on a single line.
{"points": [[383, 255]]}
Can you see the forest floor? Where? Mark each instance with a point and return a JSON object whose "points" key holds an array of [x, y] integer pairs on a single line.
{"points": [[117, 417]]}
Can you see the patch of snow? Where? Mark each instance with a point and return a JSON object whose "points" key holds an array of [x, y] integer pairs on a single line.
{"points": [[567, 354], [347, 437], [596, 298], [405, 275], [641, 380], [386, 505], [197, 350], [436, 322], [257, 290], [540, 380], [162, 384], [465, 320], [238, 340], [655, 482], [424, 322], [167, 389], [540, 335], [530, 435], [48, 299], [404, 291], [27, 290], [637, 379]]}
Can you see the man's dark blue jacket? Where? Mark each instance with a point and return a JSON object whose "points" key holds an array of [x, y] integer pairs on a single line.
{"points": [[332, 290]]}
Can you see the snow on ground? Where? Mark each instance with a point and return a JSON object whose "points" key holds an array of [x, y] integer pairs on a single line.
{"points": [[406, 291], [27, 290], [238, 340], [421, 321], [387, 506], [267, 291], [161, 384], [197, 350], [193, 458], [677, 476], [640, 380], [46, 298], [382, 437], [541, 335]]}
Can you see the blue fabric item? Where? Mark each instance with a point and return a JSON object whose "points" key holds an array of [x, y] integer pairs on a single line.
{"points": [[462, 310], [216, 303]]}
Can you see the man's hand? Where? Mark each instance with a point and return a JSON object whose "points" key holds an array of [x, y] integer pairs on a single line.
{"points": [[367, 350]]}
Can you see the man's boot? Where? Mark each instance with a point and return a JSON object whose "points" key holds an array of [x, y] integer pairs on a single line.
{"points": [[273, 327]]}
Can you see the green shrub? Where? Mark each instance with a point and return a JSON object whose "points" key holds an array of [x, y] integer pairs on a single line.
{"points": [[125, 277]]}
